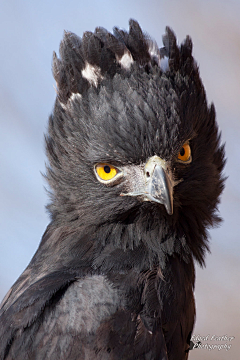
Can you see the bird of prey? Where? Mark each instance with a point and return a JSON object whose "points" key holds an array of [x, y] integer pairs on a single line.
{"points": [[135, 174]]}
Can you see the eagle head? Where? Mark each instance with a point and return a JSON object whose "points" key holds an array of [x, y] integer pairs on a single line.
{"points": [[133, 145]]}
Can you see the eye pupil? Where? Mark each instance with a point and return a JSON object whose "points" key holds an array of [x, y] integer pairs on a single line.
{"points": [[107, 169], [182, 151]]}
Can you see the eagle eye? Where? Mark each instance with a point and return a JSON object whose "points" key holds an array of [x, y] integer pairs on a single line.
{"points": [[105, 172], [184, 154]]}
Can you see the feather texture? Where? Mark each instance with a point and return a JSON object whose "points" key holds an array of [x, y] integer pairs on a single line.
{"points": [[113, 276]]}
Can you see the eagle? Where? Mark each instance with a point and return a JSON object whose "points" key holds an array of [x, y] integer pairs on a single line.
{"points": [[135, 178]]}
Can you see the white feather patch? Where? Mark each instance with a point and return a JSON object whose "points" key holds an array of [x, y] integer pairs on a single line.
{"points": [[63, 105], [154, 52], [126, 60], [74, 97], [92, 74]]}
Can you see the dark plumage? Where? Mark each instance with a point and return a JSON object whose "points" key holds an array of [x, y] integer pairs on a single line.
{"points": [[135, 167]]}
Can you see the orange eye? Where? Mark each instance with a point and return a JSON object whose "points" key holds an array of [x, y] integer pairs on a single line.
{"points": [[185, 153], [106, 172]]}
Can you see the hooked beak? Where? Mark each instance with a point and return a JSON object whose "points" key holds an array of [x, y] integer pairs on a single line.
{"points": [[156, 184], [159, 186]]}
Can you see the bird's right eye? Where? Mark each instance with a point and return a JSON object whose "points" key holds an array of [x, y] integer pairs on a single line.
{"points": [[106, 172]]}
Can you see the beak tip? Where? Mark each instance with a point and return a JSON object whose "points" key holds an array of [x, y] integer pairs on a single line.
{"points": [[169, 207], [169, 211]]}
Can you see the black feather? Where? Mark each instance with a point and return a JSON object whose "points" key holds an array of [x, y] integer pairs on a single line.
{"points": [[113, 277]]}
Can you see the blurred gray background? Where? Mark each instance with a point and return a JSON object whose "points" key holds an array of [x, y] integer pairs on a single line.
{"points": [[29, 32]]}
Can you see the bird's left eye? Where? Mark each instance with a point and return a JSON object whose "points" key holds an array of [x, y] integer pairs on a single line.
{"points": [[106, 172], [184, 154]]}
